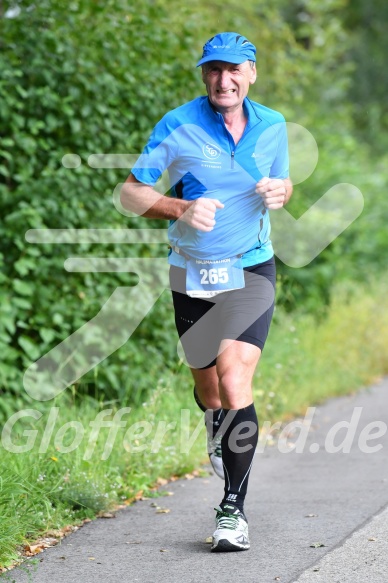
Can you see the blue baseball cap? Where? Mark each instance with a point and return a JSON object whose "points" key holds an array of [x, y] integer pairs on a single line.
{"points": [[229, 47]]}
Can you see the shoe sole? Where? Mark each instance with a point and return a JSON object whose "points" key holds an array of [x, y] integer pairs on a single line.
{"points": [[225, 546]]}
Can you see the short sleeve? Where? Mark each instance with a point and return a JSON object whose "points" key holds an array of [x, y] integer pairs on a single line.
{"points": [[280, 166], [159, 153]]}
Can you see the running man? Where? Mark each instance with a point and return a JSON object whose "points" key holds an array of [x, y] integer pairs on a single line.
{"points": [[227, 159]]}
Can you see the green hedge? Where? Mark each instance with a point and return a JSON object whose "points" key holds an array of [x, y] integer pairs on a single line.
{"points": [[90, 77]]}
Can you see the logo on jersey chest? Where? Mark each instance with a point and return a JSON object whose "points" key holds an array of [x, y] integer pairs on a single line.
{"points": [[211, 151]]}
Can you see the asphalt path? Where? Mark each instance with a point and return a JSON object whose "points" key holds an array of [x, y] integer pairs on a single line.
{"points": [[300, 497]]}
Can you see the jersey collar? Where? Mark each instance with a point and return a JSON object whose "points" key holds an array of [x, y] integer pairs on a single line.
{"points": [[249, 110]]}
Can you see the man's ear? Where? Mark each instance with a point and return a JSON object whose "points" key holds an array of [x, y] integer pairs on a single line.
{"points": [[203, 72], [253, 75]]}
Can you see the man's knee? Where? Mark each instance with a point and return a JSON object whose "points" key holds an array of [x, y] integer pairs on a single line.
{"points": [[235, 386], [233, 380]]}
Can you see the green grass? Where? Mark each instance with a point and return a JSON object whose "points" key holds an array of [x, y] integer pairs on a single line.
{"points": [[303, 363], [52, 489]]}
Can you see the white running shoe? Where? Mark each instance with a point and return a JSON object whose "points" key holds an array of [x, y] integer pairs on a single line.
{"points": [[231, 532], [215, 455]]}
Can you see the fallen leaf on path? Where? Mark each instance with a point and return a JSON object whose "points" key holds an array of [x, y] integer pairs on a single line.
{"points": [[45, 543], [209, 540], [372, 538], [69, 528], [311, 515], [162, 510], [54, 533], [162, 481], [163, 550], [317, 545], [92, 559], [106, 515], [32, 550], [49, 542]]}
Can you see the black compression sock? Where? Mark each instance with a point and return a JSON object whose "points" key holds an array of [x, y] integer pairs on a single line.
{"points": [[239, 441]]}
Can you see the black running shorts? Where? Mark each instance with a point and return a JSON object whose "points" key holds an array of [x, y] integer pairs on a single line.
{"points": [[243, 314]]}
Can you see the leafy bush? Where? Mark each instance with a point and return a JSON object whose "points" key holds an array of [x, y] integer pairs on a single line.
{"points": [[70, 84], [93, 77]]}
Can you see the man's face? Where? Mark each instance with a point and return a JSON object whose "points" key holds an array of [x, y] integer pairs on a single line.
{"points": [[227, 84]]}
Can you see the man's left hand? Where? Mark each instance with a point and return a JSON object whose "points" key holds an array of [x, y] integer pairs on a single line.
{"points": [[273, 191]]}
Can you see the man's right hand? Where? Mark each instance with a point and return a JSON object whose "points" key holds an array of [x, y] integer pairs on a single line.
{"points": [[201, 213], [145, 201]]}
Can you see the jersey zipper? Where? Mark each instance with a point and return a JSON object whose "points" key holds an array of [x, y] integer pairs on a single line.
{"points": [[232, 145]]}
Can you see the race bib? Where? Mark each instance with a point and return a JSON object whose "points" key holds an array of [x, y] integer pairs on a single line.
{"points": [[206, 278]]}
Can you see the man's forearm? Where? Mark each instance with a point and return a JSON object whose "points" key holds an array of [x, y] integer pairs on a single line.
{"points": [[145, 201]]}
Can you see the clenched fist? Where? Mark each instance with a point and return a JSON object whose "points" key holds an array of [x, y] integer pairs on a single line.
{"points": [[273, 191], [201, 213]]}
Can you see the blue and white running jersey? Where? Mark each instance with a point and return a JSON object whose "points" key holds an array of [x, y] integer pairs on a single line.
{"points": [[194, 145]]}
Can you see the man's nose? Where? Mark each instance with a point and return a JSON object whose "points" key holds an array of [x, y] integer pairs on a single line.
{"points": [[224, 79]]}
